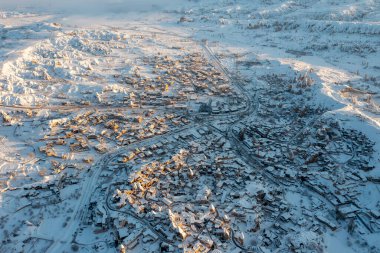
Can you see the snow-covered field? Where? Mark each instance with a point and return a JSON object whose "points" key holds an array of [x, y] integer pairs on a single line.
{"points": [[269, 108]]}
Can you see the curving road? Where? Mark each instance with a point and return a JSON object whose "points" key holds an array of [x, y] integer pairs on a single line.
{"points": [[66, 237]]}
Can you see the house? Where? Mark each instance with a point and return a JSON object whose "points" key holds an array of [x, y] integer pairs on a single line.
{"points": [[132, 239]]}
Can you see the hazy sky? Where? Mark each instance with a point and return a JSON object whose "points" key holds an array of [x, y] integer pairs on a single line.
{"points": [[88, 6]]}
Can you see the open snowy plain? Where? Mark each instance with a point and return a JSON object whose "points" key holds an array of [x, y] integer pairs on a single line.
{"points": [[190, 126]]}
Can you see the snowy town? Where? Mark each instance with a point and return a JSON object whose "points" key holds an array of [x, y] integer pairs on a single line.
{"points": [[126, 136]]}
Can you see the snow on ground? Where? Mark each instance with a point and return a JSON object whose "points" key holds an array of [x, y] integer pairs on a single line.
{"points": [[337, 42], [53, 51]]}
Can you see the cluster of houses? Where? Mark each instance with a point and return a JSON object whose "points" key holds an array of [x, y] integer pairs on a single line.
{"points": [[192, 197], [99, 131], [296, 147], [179, 83], [196, 191], [275, 181], [160, 193]]}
